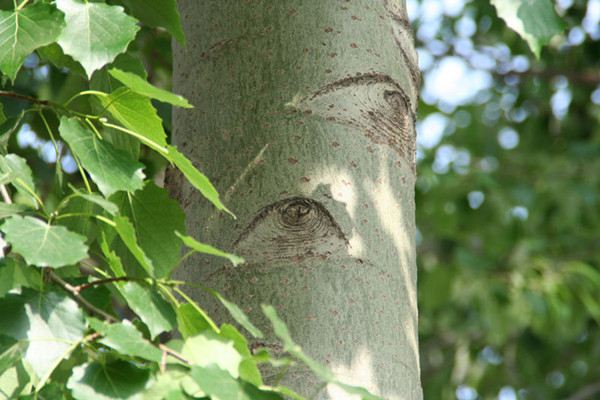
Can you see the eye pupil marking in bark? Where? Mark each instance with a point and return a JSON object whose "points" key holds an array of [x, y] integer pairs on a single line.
{"points": [[295, 213]]}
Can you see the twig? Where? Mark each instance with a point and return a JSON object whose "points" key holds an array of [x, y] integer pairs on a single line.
{"points": [[19, 96], [586, 392], [78, 298], [84, 286], [5, 194], [173, 353]]}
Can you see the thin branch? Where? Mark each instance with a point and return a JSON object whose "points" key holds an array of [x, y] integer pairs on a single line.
{"points": [[78, 298], [173, 354], [19, 96], [586, 392], [84, 286], [5, 194]]}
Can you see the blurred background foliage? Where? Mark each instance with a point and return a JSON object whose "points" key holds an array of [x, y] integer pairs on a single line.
{"points": [[508, 195], [508, 205]]}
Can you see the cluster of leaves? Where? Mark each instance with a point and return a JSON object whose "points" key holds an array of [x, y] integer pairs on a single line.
{"points": [[89, 308]]}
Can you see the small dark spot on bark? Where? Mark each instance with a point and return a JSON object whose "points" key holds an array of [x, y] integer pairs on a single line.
{"points": [[335, 144], [354, 45], [328, 29], [292, 160], [305, 179]]}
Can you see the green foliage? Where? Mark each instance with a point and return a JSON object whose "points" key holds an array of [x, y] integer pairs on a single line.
{"points": [[86, 290]]}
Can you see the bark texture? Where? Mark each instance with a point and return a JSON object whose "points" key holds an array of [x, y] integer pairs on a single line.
{"points": [[304, 120]]}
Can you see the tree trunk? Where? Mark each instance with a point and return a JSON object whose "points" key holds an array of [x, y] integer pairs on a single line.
{"points": [[304, 121]]}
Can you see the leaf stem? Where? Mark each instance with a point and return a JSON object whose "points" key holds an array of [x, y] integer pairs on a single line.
{"points": [[22, 5], [85, 93], [173, 353], [139, 137]]}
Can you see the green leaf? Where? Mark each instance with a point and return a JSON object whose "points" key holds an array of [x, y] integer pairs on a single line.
{"points": [[54, 54], [248, 367], [7, 210], [3, 118], [42, 244], [167, 386], [155, 217], [152, 309], [196, 178], [24, 30], [20, 176], [126, 339], [50, 323], [110, 168], [208, 249], [144, 88], [136, 113], [219, 385], [161, 13], [95, 33], [14, 275], [106, 205], [209, 348], [119, 380], [238, 315], [535, 20], [126, 232], [190, 321]]}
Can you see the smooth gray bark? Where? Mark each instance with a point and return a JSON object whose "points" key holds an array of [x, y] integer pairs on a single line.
{"points": [[304, 120]]}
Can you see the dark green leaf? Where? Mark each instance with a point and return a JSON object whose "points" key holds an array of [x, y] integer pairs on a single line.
{"points": [[14, 274], [3, 118], [118, 380], [535, 20], [127, 234], [50, 323], [12, 355], [42, 244], [95, 33], [155, 217], [161, 13], [24, 30], [208, 249], [108, 206], [152, 309], [110, 168], [54, 54], [126, 339], [144, 88]]}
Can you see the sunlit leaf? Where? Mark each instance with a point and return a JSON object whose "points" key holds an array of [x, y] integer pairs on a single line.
{"points": [[50, 323], [153, 310], [535, 20], [95, 33], [43, 244]]}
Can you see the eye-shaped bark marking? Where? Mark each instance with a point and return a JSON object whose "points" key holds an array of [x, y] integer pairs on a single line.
{"points": [[291, 229], [372, 103]]}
